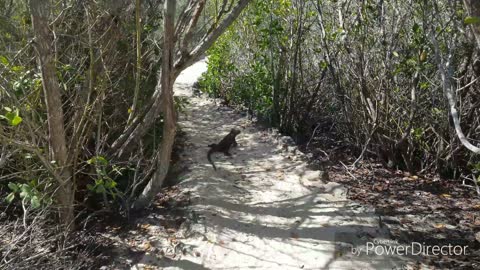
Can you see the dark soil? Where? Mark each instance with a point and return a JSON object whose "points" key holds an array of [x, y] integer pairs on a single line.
{"points": [[124, 242]]}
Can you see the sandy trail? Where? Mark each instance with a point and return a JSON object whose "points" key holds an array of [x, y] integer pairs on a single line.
{"points": [[263, 208]]}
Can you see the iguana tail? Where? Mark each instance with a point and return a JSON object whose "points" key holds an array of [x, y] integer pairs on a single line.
{"points": [[209, 156]]}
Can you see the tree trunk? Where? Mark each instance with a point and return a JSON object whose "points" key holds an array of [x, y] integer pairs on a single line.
{"points": [[168, 109], [40, 10]]}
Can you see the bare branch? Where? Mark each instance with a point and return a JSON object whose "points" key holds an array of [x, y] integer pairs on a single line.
{"points": [[187, 60], [450, 93]]}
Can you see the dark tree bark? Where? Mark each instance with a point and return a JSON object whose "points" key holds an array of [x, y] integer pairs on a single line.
{"points": [[168, 109], [40, 11]]}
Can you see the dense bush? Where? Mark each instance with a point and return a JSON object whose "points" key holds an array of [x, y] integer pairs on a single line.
{"points": [[87, 113], [368, 69]]}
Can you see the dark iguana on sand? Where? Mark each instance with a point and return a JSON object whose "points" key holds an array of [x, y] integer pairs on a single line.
{"points": [[224, 145]]}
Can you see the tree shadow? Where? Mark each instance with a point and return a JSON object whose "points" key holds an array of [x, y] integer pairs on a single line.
{"points": [[256, 209]]}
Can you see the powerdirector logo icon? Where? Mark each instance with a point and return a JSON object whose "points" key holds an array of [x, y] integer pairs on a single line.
{"points": [[381, 247]]}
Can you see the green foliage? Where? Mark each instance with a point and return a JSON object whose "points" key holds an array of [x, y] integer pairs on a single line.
{"points": [[249, 82], [219, 66], [371, 59], [104, 184], [12, 116], [98, 161], [21, 79], [471, 20], [29, 193], [180, 103], [4, 60]]}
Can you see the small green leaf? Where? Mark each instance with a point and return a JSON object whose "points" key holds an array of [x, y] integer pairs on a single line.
{"points": [[102, 161], [8, 109], [411, 62], [323, 65], [477, 167], [424, 85], [4, 60], [90, 187], [26, 191], [33, 183], [471, 20], [17, 68], [24, 194], [395, 54], [14, 187], [10, 197], [35, 201], [16, 120], [9, 116], [99, 182], [100, 189], [110, 184], [13, 117], [98, 160]]}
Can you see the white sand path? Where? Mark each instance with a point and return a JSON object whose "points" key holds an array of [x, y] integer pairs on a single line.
{"points": [[263, 208]]}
